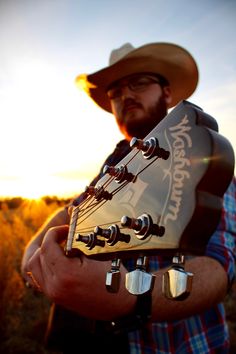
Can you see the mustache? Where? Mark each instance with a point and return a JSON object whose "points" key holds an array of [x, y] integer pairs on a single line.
{"points": [[130, 102]]}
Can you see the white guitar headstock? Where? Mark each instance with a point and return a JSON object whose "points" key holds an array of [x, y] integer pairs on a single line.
{"points": [[162, 198]]}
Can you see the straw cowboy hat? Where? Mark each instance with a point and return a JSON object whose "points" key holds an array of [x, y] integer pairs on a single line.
{"points": [[171, 61]]}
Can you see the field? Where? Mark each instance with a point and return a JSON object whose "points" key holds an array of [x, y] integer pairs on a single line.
{"points": [[23, 312]]}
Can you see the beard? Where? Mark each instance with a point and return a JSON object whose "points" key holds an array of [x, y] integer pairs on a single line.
{"points": [[139, 128]]}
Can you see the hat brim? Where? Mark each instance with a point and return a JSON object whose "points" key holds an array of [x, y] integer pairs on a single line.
{"points": [[169, 60]]}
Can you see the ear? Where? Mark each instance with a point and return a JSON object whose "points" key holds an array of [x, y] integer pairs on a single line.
{"points": [[167, 95]]}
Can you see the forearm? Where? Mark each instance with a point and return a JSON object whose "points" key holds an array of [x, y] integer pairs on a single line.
{"points": [[209, 288], [210, 285]]}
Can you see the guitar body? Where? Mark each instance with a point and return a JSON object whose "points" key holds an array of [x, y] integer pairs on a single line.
{"points": [[181, 193]]}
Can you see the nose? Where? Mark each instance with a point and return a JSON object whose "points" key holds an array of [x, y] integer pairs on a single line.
{"points": [[126, 92]]}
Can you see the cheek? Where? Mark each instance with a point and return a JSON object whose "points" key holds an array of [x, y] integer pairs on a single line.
{"points": [[116, 110], [113, 108], [150, 101], [152, 96]]}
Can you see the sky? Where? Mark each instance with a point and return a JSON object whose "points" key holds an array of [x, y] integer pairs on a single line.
{"points": [[53, 138]]}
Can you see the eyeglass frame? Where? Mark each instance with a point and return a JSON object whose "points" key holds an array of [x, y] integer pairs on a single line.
{"points": [[152, 79]]}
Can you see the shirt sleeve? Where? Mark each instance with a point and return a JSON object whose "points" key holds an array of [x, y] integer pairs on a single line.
{"points": [[222, 244]]}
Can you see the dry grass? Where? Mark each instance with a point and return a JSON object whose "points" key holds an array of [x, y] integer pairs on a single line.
{"points": [[23, 312]]}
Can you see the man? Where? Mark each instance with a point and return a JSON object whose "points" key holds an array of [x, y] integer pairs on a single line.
{"points": [[138, 87]]}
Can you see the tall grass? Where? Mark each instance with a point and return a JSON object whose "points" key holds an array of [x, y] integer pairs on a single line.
{"points": [[23, 312]]}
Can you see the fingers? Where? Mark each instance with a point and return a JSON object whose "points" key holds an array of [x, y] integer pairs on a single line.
{"points": [[33, 280], [56, 234], [51, 249], [39, 266]]}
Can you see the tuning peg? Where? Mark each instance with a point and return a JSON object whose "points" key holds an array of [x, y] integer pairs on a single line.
{"points": [[139, 281], [98, 193], [120, 173], [90, 240], [112, 234], [113, 276], [143, 226], [149, 148], [176, 283]]}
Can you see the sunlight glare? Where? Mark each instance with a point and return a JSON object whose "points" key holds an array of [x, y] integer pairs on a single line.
{"points": [[53, 133]]}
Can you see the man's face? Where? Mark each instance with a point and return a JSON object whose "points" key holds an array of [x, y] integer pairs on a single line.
{"points": [[138, 103]]}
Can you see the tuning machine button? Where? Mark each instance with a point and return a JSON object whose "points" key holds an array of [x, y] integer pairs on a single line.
{"points": [[176, 282], [143, 226], [139, 281], [113, 276], [112, 234], [120, 173], [149, 148]]}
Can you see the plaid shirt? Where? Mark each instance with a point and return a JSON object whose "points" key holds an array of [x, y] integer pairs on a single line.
{"points": [[203, 333]]}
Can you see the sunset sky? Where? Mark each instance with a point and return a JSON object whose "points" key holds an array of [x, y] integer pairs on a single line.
{"points": [[53, 139]]}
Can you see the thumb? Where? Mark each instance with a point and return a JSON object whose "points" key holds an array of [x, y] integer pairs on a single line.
{"points": [[56, 234]]}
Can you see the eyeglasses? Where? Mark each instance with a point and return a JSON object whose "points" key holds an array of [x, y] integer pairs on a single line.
{"points": [[135, 84]]}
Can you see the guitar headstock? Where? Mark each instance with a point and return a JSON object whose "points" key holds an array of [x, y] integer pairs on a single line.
{"points": [[163, 197]]}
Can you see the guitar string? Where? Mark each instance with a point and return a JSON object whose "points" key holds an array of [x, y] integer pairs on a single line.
{"points": [[109, 181], [98, 205], [106, 184], [93, 203], [88, 229], [88, 198]]}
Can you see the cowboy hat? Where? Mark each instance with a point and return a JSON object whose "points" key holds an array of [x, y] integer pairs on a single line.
{"points": [[171, 61]]}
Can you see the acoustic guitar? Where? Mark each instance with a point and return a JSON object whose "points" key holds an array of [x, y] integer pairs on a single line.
{"points": [[164, 197]]}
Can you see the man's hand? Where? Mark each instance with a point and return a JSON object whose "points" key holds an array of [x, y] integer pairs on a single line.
{"points": [[76, 283]]}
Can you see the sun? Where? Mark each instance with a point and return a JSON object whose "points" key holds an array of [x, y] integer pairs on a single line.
{"points": [[30, 187]]}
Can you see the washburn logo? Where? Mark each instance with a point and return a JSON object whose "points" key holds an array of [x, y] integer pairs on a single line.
{"points": [[181, 142]]}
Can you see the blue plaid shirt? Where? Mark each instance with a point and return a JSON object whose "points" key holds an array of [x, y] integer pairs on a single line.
{"points": [[203, 333]]}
